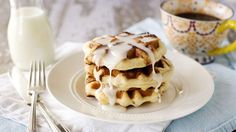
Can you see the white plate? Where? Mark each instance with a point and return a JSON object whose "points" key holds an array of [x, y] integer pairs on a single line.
{"points": [[196, 82]]}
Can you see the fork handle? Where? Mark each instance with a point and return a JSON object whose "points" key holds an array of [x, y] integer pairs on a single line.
{"points": [[32, 117], [54, 125]]}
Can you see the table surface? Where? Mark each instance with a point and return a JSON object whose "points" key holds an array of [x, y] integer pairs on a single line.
{"points": [[81, 20]]}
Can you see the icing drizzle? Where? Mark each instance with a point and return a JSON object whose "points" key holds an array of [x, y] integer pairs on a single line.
{"points": [[111, 53], [156, 77]]}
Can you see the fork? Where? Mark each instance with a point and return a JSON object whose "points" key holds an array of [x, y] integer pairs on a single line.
{"points": [[36, 83]]}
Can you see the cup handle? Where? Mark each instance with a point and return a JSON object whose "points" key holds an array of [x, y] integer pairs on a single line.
{"points": [[228, 24]]}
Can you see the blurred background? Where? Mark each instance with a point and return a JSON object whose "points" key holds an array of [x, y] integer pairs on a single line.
{"points": [[81, 20]]}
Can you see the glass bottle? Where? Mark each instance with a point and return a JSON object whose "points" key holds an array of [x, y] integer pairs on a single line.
{"points": [[30, 37]]}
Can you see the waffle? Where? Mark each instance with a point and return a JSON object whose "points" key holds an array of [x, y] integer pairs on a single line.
{"points": [[135, 58], [132, 97], [139, 77], [126, 69]]}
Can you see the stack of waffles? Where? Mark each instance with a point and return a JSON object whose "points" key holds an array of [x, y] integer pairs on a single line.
{"points": [[126, 69]]}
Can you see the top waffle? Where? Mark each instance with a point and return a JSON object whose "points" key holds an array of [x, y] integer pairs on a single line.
{"points": [[134, 50]]}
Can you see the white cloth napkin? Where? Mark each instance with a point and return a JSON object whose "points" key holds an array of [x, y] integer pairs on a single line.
{"points": [[13, 107]]}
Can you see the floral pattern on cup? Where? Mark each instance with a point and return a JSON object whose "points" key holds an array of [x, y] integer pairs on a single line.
{"points": [[194, 37]]}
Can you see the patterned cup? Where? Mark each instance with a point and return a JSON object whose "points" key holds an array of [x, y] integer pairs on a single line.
{"points": [[197, 38]]}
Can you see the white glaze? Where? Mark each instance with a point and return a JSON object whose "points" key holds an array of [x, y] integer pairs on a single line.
{"points": [[98, 54], [115, 54], [97, 76], [103, 40], [110, 92], [147, 39], [156, 77]]}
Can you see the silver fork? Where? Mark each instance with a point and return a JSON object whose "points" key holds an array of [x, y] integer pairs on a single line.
{"points": [[36, 83]]}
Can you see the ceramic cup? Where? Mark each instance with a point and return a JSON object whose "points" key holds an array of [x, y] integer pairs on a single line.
{"points": [[199, 39]]}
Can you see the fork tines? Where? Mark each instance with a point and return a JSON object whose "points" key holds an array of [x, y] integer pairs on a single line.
{"points": [[37, 75]]}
